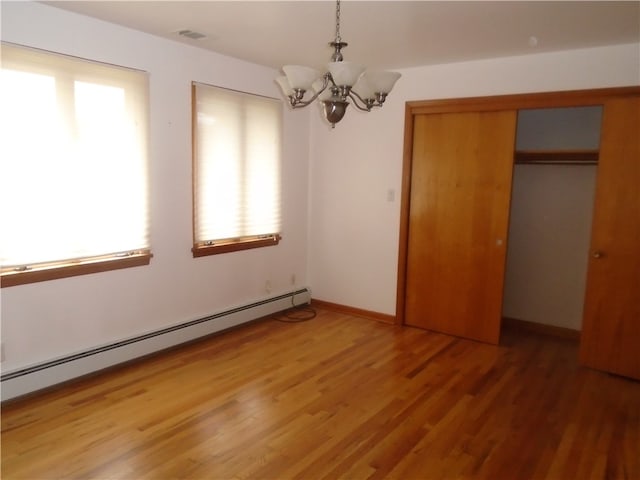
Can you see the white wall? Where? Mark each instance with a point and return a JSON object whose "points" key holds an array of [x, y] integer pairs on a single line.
{"points": [[353, 243], [46, 320], [549, 237]]}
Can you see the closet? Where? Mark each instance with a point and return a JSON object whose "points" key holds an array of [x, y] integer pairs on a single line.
{"points": [[456, 201], [554, 174]]}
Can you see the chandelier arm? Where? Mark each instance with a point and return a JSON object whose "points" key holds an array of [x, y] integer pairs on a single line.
{"points": [[329, 79], [300, 103], [365, 107]]}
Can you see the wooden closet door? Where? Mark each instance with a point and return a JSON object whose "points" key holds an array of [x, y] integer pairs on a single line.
{"points": [[458, 215], [611, 328]]}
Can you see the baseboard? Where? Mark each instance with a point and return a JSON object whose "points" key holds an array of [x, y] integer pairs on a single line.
{"points": [[356, 312], [551, 330], [36, 377]]}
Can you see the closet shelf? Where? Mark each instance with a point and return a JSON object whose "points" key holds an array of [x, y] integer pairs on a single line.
{"points": [[557, 157]]}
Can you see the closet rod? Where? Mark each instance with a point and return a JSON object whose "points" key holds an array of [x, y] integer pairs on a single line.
{"points": [[557, 157]]}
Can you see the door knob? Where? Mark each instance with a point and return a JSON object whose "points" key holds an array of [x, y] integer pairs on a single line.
{"points": [[598, 254]]}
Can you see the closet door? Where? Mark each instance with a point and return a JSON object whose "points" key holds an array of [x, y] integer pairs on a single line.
{"points": [[611, 328], [459, 208]]}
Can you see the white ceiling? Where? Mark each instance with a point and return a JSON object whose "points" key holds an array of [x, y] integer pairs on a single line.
{"points": [[381, 34]]}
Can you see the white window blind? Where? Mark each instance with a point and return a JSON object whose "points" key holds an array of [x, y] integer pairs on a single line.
{"points": [[73, 159], [237, 162]]}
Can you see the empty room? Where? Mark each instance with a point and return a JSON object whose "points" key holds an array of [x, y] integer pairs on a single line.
{"points": [[320, 240]]}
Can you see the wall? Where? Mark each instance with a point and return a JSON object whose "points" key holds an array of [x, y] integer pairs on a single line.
{"points": [[46, 320], [353, 242], [549, 237]]}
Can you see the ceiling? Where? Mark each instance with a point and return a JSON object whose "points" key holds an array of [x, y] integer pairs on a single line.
{"points": [[381, 34]]}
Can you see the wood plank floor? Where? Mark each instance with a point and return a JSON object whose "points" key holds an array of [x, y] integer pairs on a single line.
{"points": [[334, 397]]}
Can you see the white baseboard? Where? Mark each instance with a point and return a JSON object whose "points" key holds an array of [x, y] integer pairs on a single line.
{"points": [[42, 375]]}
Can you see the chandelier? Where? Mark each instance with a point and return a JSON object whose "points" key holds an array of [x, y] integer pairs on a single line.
{"points": [[344, 83]]}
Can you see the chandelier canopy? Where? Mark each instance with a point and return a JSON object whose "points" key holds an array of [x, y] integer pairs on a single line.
{"points": [[344, 83]]}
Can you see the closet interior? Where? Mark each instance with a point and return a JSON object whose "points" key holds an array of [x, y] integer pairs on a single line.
{"points": [[554, 178]]}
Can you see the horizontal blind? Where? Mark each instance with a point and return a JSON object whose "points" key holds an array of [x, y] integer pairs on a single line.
{"points": [[73, 158], [237, 164]]}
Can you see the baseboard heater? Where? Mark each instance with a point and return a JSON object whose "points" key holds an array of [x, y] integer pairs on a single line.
{"points": [[42, 375]]}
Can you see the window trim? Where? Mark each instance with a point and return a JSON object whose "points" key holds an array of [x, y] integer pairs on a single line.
{"points": [[202, 249], [13, 276], [216, 247]]}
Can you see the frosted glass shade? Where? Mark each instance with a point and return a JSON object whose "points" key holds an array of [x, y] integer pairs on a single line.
{"points": [[317, 86], [284, 85], [364, 88], [382, 82], [345, 73], [301, 77]]}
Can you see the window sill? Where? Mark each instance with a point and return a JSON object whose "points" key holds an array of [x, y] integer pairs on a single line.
{"points": [[203, 250], [13, 278]]}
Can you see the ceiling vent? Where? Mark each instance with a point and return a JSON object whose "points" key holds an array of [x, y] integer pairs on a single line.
{"points": [[191, 34]]}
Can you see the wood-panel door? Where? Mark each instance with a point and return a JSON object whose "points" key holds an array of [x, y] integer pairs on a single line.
{"points": [[458, 216], [610, 338]]}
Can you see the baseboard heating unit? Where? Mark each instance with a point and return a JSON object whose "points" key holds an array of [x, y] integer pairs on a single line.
{"points": [[36, 377]]}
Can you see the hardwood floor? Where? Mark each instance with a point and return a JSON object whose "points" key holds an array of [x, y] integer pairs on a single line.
{"points": [[334, 397]]}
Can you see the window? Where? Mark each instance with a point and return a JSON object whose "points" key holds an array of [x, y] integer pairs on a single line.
{"points": [[236, 164], [73, 163]]}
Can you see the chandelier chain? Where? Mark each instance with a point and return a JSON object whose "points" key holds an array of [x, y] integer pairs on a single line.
{"points": [[338, 39]]}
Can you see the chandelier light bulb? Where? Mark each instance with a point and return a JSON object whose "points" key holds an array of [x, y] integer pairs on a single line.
{"points": [[382, 82], [363, 88], [284, 85], [301, 77], [345, 74]]}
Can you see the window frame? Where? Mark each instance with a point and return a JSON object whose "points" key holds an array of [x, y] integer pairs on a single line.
{"points": [[11, 277], [69, 267], [228, 245]]}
